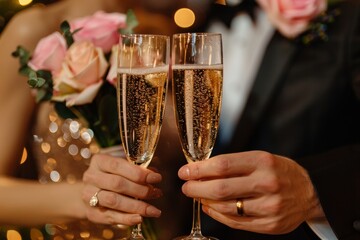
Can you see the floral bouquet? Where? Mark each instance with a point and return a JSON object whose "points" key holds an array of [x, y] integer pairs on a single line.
{"points": [[305, 21], [77, 70]]}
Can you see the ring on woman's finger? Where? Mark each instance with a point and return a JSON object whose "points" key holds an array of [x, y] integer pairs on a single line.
{"points": [[240, 207], [94, 200]]}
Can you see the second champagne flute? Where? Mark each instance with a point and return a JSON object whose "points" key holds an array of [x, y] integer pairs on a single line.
{"points": [[143, 68], [197, 89]]}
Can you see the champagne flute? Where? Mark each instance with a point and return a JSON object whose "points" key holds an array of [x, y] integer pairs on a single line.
{"points": [[197, 87], [143, 69]]}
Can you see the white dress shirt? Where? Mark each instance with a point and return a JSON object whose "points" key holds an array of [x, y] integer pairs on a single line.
{"points": [[243, 47]]}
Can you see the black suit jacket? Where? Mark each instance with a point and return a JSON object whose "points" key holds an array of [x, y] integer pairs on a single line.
{"points": [[305, 105]]}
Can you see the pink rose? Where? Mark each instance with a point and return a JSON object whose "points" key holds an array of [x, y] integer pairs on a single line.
{"points": [[292, 17], [49, 53], [81, 75], [100, 28]]}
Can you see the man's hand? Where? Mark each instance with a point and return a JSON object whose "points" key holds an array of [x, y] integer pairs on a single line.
{"points": [[276, 192]]}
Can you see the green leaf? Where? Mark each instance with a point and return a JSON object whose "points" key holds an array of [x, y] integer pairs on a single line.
{"points": [[32, 82], [65, 29], [64, 111], [24, 57], [41, 94], [131, 22], [22, 53], [35, 81], [25, 70], [40, 82], [65, 26], [44, 74]]}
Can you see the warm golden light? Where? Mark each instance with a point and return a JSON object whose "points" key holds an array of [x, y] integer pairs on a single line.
{"points": [[25, 2], [184, 17], [222, 2], [35, 234], [13, 235], [24, 156]]}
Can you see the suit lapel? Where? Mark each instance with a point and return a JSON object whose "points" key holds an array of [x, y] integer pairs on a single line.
{"points": [[275, 61]]}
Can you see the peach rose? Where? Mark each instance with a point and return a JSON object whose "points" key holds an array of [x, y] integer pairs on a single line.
{"points": [[292, 17], [81, 75], [49, 53], [100, 28]]}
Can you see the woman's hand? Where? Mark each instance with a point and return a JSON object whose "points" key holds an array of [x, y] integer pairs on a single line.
{"points": [[276, 192], [120, 188]]}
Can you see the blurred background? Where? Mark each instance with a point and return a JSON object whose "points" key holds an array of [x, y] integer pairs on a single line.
{"points": [[9, 7], [185, 13]]}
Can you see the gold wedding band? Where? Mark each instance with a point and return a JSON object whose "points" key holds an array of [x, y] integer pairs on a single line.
{"points": [[94, 200], [240, 207]]}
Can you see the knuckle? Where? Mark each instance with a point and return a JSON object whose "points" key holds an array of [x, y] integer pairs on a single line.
{"points": [[87, 176], [224, 208], [267, 159], [111, 200], [118, 184], [114, 164], [221, 190], [272, 184], [195, 171], [140, 177], [222, 165], [97, 160]]}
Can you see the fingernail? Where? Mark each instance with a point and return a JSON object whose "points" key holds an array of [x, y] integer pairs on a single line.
{"points": [[206, 209], [153, 211], [153, 178], [184, 173]]}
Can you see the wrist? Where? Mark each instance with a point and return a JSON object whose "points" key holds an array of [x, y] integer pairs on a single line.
{"points": [[315, 210], [74, 207]]}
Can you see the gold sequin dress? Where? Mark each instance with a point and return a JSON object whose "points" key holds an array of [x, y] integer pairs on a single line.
{"points": [[62, 149]]}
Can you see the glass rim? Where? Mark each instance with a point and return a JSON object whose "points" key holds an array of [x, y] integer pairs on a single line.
{"points": [[197, 34], [133, 35]]}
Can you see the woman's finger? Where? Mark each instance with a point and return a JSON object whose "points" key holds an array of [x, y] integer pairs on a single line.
{"points": [[126, 204], [109, 216], [123, 168], [121, 185]]}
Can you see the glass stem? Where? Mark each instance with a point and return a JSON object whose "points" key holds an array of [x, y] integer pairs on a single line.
{"points": [[136, 232], [196, 224]]}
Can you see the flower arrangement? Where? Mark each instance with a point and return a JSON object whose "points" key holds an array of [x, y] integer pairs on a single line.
{"points": [[303, 20], [77, 70]]}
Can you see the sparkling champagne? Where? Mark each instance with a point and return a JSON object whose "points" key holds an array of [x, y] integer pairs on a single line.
{"points": [[141, 110], [197, 101]]}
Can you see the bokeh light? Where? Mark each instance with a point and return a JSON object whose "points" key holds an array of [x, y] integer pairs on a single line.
{"points": [[184, 17], [24, 156], [36, 234], [13, 235], [25, 2]]}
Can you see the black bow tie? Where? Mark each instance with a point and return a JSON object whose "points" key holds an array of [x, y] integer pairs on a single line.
{"points": [[226, 13]]}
